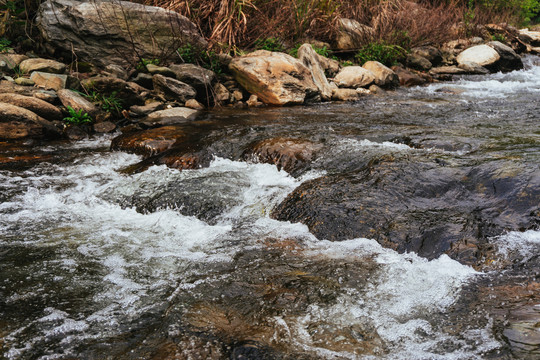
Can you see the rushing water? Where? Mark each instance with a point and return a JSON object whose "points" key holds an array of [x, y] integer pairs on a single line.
{"points": [[86, 273]]}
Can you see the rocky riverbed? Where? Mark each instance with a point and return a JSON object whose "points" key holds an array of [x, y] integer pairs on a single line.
{"points": [[397, 227]]}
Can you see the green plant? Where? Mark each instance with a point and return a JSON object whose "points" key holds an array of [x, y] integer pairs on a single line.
{"points": [[110, 103], [206, 58], [386, 54], [270, 44], [498, 37], [5, 45], [77, 117], [141, 65]]}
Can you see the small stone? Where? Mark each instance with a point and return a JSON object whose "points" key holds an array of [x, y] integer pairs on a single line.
{"points": [[148, 108], [362, 91], [384, 76], [162, 70], [253, 101], [345, 95], [177, 115], [354, 77], [117, 71], [221, 92], [46, 95], [104, 127], [172, 89], [194, 104], [376, 90], [24, 81], [237, 95]]}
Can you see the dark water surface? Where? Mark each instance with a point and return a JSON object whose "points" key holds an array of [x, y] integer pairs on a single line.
{"points": [[411, 234]]}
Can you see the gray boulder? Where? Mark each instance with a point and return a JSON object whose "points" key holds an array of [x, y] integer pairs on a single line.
{"points": [[115, 32], [199, 78], [509, 60], [172, 89], [77, 102]]}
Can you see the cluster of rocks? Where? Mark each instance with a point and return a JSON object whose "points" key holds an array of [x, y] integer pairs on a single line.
{"points": [[35, 102]]}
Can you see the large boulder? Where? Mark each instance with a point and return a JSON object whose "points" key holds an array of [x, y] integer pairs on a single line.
{"points": [[19, 123], [115, 32], [276, 78], [354, 77], [199, 78], [37, 106], [352, 35], [310, 59], [384, 76], [483, 55], [509, 59]]}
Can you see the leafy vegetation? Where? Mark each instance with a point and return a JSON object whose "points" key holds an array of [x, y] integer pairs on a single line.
{"points": [[206, 58], [386, 54], [270, 44], [77, 117], [141, 65], [111, 103], [5, 45]]}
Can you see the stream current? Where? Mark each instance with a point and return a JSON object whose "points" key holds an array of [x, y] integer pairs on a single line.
{"points": [[87, 273]]}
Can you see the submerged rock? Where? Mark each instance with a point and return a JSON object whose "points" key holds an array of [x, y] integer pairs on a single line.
{"points": [[149, 142], [276, 78], [420, 207], [291, 155]]}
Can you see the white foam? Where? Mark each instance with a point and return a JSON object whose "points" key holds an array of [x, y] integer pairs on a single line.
{"points": [[520, 246]]}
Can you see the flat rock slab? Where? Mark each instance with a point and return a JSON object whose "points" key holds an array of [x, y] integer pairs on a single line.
{"points": [[291, 155], [149, 142], [178, 115], [44, 65], [53, 81]]}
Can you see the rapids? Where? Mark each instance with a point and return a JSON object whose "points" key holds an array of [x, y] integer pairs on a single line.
{"points": [[96, 263]]}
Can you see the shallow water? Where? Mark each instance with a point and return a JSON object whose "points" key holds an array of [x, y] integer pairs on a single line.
{"points": [[92, 267]]}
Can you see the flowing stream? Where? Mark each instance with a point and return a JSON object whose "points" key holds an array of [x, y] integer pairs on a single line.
{"points": [[161, 264]]}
